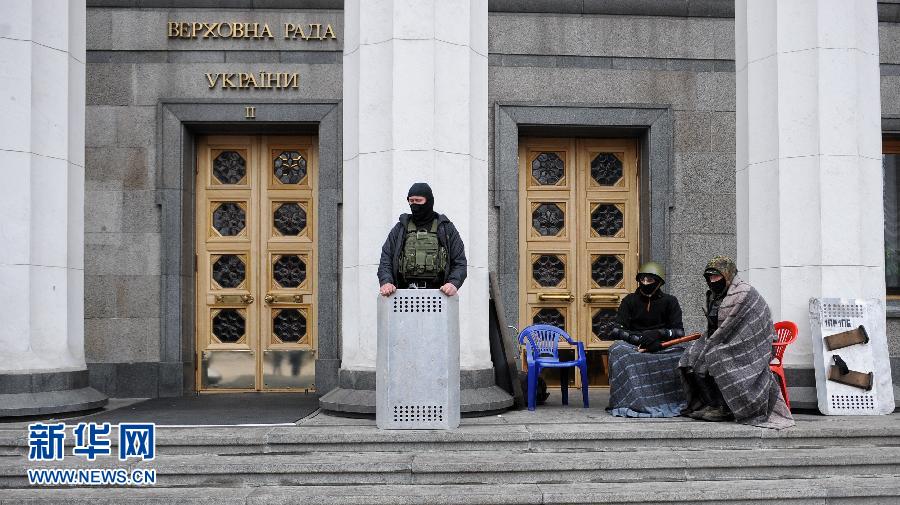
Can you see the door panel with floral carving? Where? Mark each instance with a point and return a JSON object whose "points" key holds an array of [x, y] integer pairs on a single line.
{"points": [[579, 231], [256, 263]]}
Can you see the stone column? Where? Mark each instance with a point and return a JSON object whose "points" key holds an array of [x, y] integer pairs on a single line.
{"points": [[810, 221], [42, 88], [415, 109]]}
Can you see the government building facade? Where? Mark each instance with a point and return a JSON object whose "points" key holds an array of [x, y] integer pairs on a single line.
{"points": [[197, 192]]}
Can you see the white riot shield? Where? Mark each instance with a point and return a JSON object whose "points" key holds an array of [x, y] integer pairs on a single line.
{"points": [[417, 379], [831, 316]]}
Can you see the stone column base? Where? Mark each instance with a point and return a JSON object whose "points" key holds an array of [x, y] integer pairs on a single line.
{"points": [[34, 394], [355, 393]]}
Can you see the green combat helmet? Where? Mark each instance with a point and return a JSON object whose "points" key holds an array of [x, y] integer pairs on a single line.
{"points": [[653, 268]]}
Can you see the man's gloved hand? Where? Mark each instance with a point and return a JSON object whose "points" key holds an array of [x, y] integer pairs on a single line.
{"points": [[631, 338], [651, 340], [665, 334]]}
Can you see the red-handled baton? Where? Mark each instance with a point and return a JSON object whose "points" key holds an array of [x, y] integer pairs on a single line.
{"points": [[680, 340]]}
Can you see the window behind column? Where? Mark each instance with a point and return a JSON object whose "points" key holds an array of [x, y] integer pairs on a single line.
{"points": [[891, 164]]}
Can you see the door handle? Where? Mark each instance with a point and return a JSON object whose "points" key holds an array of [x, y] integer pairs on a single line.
{"points": [[594, 297], [556, 297], [270, 298], [232, 299]]}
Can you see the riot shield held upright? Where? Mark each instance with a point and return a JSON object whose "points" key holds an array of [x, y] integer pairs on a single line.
{"points": [[417, 375]]}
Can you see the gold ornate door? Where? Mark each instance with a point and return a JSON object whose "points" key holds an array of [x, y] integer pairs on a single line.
{"points": [[256, 263], [579, 231]]}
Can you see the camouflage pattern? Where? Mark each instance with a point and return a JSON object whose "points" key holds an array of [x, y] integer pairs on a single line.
{"points": [[725, 266]]}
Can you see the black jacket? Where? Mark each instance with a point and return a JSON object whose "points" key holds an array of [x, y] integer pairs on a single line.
{"points": [[633, 317], [389, 266]]}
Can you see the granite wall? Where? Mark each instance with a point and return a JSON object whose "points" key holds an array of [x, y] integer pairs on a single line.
{"points": [[889, 54], [685, 63], [132, 67], [681, 63]]}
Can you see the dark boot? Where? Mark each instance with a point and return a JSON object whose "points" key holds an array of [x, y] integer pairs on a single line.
{"points": [[719, 411], [699, 414], [698, 397], [717, 414]]}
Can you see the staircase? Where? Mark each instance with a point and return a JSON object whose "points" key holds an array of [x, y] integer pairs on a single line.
{"points": [[498, 460]]}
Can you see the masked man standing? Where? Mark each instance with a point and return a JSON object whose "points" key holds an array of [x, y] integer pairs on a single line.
{"points": [[423, 250], [646, 384]]}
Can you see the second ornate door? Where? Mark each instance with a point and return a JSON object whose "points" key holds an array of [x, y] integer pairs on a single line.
{"points": [[578, 237]]}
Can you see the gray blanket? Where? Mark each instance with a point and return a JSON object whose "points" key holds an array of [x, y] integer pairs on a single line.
{"points": [[644, 384], [737, 356]]}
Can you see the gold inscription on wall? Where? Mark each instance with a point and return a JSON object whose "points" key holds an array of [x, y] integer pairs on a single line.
{"points": [[249, 80], [254, 31]]}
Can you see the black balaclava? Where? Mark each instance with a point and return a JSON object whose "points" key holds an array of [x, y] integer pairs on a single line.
{"points": [[724, 266], [649, 290], [422, 214], [717, 287]]}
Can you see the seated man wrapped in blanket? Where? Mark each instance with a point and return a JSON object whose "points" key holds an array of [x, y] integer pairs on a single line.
{"points": [[646, 384], [726, 371]]}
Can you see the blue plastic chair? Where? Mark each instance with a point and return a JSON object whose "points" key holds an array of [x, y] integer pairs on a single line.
{"points": [[542, 351]]}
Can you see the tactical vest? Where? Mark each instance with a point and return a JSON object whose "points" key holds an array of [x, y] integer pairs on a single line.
{"points": [[423, 258]]}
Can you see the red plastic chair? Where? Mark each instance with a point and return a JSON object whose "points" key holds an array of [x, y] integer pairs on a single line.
{"points": [[785, 334]]}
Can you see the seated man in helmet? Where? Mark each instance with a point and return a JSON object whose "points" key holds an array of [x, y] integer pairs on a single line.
{"points": [[646, 384]]}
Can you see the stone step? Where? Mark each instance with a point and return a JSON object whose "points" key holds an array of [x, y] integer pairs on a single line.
{"points": [[485, 467], [836, 490], [609, 436]]}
